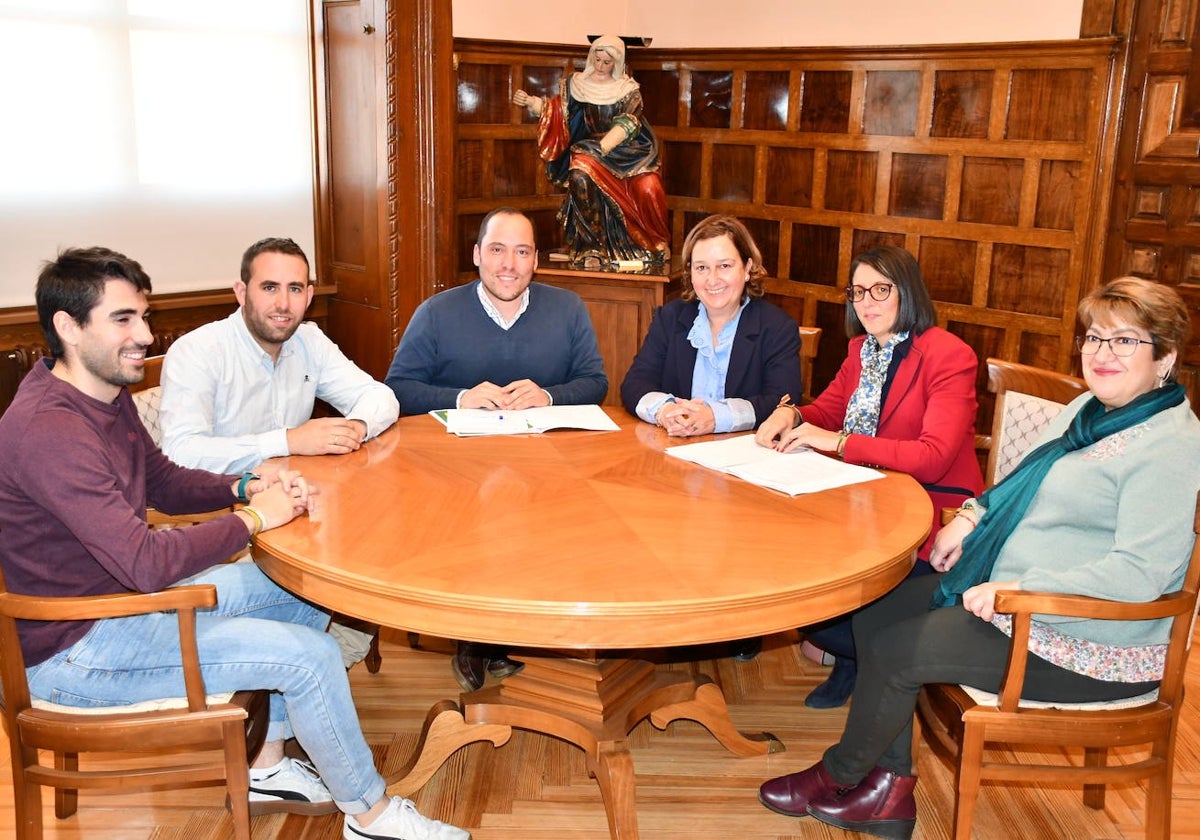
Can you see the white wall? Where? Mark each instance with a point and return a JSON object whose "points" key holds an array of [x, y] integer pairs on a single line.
{"points": [[771, 23]]}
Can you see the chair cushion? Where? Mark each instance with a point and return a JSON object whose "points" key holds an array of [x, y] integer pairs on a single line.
{"points": [[987, 698], [144, 706]]}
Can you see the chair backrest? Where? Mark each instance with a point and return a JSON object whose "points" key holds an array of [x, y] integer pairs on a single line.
{"points": [[147, 396], [810, 340], [1027, 399]]}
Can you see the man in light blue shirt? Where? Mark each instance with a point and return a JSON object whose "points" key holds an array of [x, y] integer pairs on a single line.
{"points": [[241, 390]]}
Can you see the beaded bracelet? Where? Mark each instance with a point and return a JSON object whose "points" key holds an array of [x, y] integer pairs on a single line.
{"points": [[259, 522]]}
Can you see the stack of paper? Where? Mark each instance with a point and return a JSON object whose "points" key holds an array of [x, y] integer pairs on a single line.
{"points": [[800, 471], [470, 422]]}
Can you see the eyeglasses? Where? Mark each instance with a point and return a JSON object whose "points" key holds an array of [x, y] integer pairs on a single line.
{"points": [[1120, 345], [880, 291]]}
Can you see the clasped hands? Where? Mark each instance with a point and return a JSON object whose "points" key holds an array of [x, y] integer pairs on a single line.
{"points": [[686, 418], [524, 393], [326, 436], [279, 495]]}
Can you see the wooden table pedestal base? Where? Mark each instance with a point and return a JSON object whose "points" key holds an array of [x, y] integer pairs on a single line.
{"points": [[592, 703]]}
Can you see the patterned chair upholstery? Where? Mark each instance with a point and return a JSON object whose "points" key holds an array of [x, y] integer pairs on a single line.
{"points": [[1027, 399]]}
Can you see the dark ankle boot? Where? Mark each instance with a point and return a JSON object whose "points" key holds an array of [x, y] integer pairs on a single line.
{"points": [[836, 690], [882, 805], [790, 795]]}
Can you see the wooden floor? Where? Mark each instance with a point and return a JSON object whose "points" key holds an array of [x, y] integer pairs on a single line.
{"points": [[536, 788]]}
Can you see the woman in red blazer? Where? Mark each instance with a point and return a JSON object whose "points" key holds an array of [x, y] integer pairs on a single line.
{"points": [[904, 399]]}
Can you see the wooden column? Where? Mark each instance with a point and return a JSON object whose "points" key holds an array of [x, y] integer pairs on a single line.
{"points": [[384, 97]]}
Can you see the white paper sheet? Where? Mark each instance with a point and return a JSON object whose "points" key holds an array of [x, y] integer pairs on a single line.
{"points": [[800, 471]]}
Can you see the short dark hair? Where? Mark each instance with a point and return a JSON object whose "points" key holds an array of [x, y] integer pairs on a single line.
{"points": [[273, 245], [74, 283], [503, 211], [916, 313], [711, 228]]}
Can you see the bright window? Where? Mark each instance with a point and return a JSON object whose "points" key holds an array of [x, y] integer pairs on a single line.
{"points": [[175, 131]]}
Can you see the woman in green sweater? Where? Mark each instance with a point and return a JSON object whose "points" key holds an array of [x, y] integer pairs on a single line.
{"points": [[1115, 480]]}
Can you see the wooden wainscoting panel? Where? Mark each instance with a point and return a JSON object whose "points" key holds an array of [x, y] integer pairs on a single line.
{"points": [[982, 160]]}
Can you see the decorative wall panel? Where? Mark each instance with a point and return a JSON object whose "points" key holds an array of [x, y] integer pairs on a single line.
{"points": [[981, 160]]}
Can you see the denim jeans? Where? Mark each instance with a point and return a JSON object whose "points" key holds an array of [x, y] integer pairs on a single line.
{"points": [[259, 636]]}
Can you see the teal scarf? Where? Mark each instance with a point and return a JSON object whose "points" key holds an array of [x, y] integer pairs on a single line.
{"points": [[1006, 503]]}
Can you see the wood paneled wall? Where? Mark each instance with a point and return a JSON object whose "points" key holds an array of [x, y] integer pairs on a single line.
{"points": [[172, 315], [984, 161], [1155, 217]]}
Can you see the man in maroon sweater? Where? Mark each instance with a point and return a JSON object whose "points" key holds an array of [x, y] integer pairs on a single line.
{"points": [[79, 470]]}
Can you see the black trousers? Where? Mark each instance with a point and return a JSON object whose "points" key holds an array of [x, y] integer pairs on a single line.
{"points": [[836, 636], [902, 645]]}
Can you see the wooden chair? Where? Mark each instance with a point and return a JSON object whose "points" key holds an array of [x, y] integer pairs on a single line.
{"points": [[959, 723], [227, 730], [810, 340]]}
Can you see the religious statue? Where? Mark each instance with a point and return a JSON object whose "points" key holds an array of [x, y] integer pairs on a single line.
{"points": [[597, 145]]}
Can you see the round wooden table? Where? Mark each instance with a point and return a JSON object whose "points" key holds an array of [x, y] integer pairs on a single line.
{"points": [[577, 544]]}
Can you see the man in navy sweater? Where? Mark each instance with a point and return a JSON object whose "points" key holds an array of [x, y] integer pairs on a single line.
{"points": [[502, 342]]}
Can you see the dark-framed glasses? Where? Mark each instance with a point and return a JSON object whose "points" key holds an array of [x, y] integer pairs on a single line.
{"points": [[1120, 345], [880, 291]]}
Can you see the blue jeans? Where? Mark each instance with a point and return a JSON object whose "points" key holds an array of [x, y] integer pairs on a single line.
{"points": [[259, 636]]}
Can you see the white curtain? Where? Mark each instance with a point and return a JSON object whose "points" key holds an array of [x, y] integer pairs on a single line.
{"points": [[175, 131]]}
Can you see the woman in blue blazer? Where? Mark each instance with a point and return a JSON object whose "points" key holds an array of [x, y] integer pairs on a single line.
{"points": [[719, 358]]}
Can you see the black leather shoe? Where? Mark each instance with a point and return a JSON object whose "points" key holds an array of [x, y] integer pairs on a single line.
{"points": [[791, 795], [469, 668], [836, 690], [744, 650], [502, 667]]}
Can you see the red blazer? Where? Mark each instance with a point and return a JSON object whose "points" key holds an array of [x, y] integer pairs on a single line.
{"points": [[926, 423]]}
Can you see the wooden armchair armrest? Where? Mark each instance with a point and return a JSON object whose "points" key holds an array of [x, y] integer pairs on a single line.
{"points": [[41, 608], [182, 599], [1022, 602], [1022, 605]]}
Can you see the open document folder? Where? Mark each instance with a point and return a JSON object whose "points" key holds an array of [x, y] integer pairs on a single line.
{"points": [[800, 471], [470, 422]]}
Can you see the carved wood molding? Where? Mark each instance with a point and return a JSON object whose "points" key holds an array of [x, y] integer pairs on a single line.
{"points": [[1165, 136]]}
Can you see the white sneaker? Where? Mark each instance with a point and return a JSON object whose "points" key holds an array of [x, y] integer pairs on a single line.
{"points": [[402, 822], [291, 786]]}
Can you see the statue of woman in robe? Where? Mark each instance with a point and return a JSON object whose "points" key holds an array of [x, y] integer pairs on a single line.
{"points": [[597, 145]]}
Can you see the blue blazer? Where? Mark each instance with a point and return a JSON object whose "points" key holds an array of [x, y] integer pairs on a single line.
{"points": [[763, 365]]}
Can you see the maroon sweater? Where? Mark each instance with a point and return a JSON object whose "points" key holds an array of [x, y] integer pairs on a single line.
{"points": [[76, 475]]}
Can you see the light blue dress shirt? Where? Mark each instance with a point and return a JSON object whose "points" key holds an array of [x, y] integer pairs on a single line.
{"points": [[708, 377]]}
